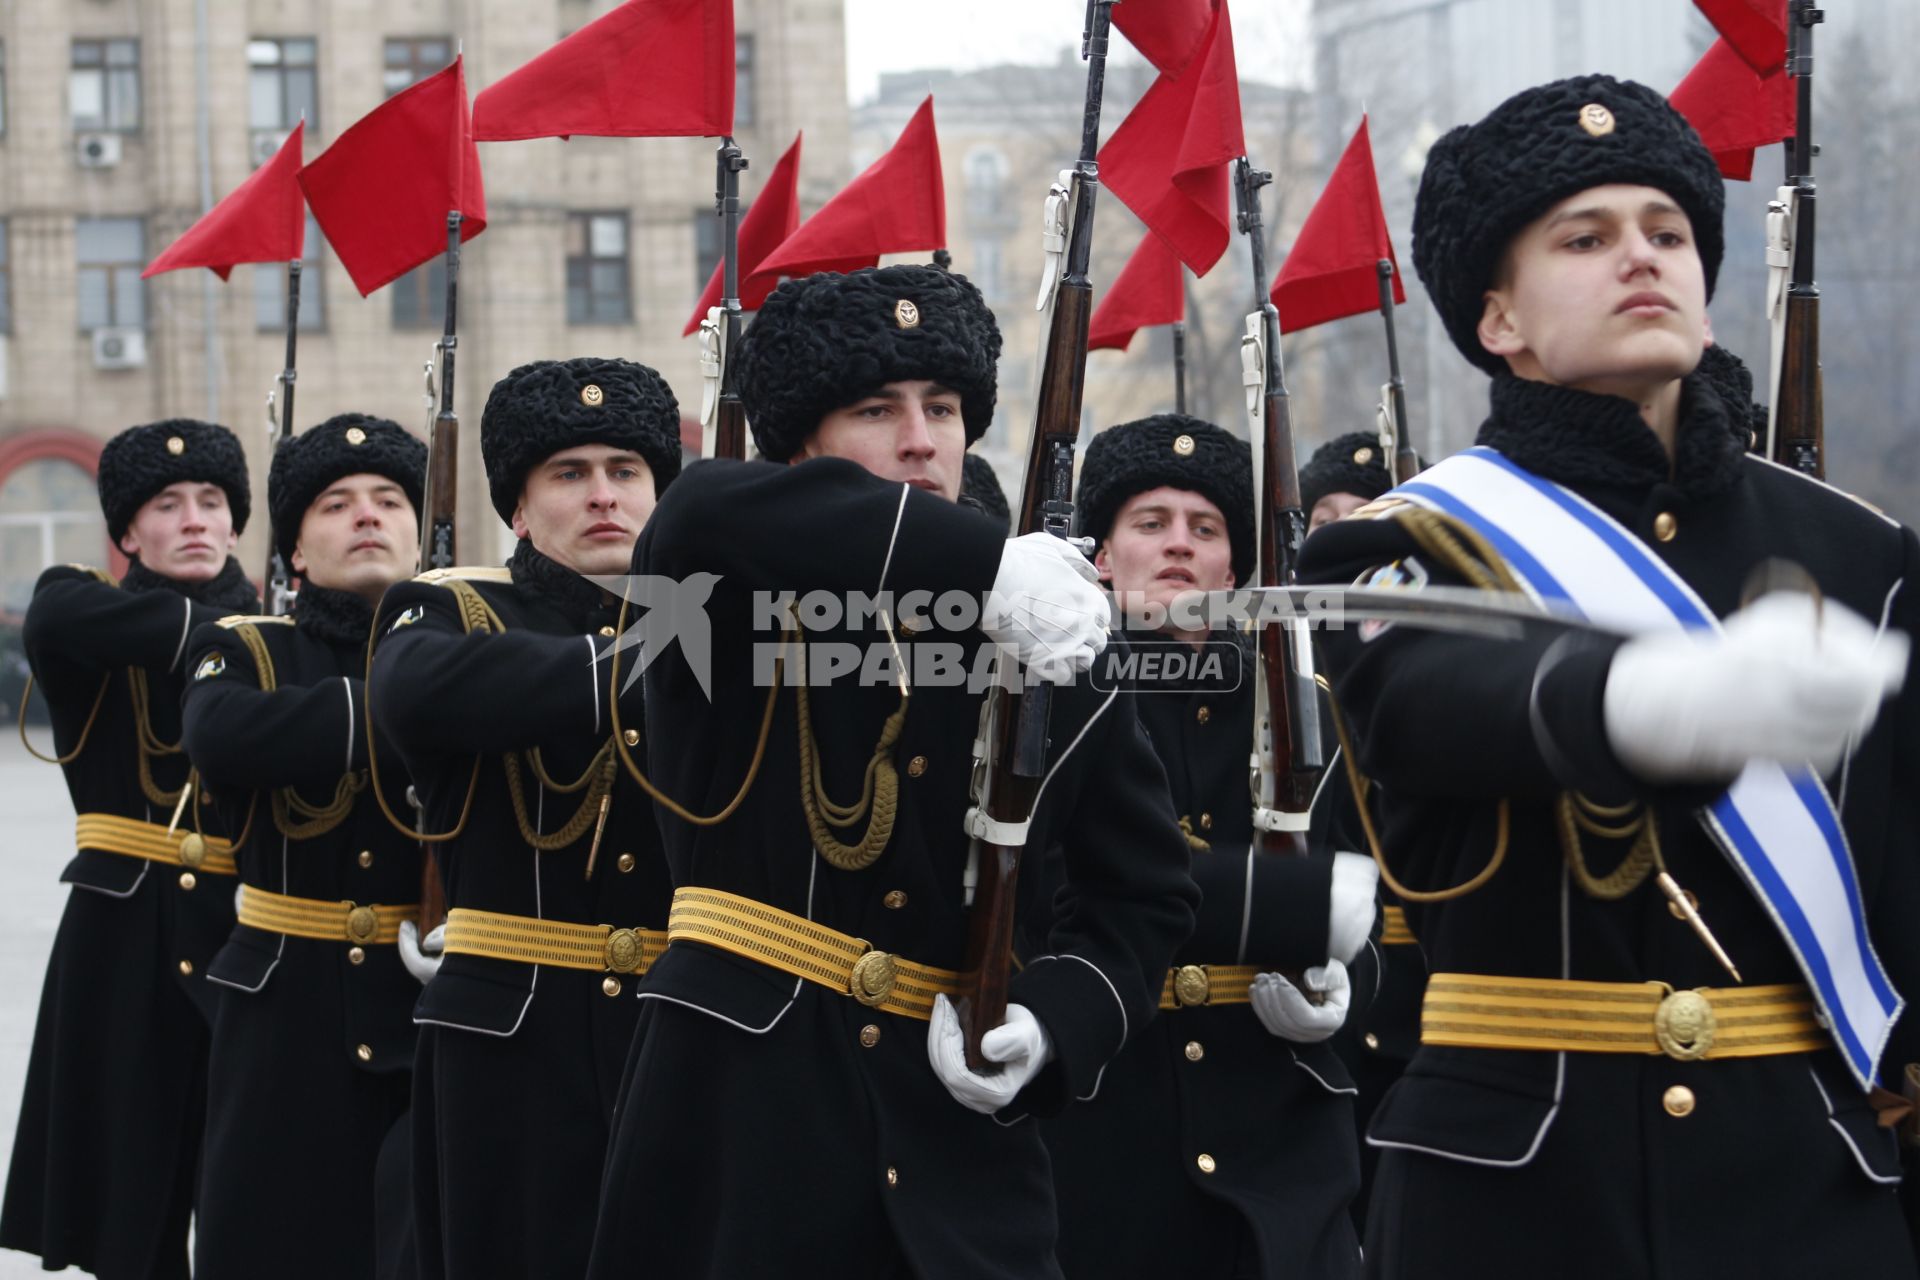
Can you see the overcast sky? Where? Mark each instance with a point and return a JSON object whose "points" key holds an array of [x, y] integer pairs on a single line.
{"points": [[906, 35]]}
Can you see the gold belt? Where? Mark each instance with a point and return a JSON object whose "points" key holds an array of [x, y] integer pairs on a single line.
{"points": [[1480, 1012], [318, 918], [1393, 928], [1192, 985], [136, 839], [795, 945], [526, 940]]}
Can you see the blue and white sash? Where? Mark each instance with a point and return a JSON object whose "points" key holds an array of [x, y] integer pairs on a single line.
{"points": [[1776, 824]]}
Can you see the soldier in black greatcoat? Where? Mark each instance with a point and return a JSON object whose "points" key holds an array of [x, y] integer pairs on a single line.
{"points": [[313, 1044], [496, 685], [789, 1109], [1222, 1141], [109, 1138], [1596, 1094]]}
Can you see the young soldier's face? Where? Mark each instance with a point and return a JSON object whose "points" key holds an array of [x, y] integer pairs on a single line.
{"points": [[360, 535], [585, 507], [1605, 292], [1335, 506], [911, 432], [1164, 543], [185, 531]]}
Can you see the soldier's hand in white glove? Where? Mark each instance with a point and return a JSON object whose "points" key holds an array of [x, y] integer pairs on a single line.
{"points": [[1350, 904], [1285, 1012], [1787, 679], [422, 958], [1020, 1045], [1046, 606]]}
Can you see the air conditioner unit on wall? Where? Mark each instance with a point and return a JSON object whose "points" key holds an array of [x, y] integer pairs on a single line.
{"points": [[119, 349], [96, 150]]}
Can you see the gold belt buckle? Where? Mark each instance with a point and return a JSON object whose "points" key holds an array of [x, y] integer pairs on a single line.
{"points": [[1684, 1025], [873, 977], [362, 924], [193, 851], [623, 951], [1191, 985]]}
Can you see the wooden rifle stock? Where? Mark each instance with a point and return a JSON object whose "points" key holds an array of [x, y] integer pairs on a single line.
{"points": [[1799, 429], [443, 494], [279, 575], [730, 416]]}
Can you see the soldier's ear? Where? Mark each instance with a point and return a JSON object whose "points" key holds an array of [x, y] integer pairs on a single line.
{"points": [[298, 561], [130, 545], [1103, 562], [519, 521], [1499, 329]]}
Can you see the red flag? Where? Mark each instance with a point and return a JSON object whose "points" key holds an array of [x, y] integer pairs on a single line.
{"points": [[1333, 268], [898, 205], [1167, 160], [383, 190], [1166, 32], [769, 221], [1757, 30], [261, 220], [1148, 291], [1735, 109], [648, 69]]}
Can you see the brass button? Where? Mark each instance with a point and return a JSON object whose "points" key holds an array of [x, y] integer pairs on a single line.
{"points": [[364, 1053], [894, 900], [1206, 822], [1206, 1163], [631, 737], [893, 1176], [1183, 445], [1195, 1051], [1596, 120], [1678, 1101], [187, 881], [1204, 714], [366, 857], [186, 968], [607, 632], [625, 862], [916, 766], [193, 851], [1372, 1041], [1665, 526], [869, 1036], [356, 436], [1693, 901], [356, 955], [610, 985]]}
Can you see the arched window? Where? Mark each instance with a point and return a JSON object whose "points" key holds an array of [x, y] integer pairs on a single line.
{"points": [[49, 510], [986, 171]]}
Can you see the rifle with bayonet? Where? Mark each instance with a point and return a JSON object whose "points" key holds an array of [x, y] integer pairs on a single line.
{"points": [[279, 430], [1796, 428], [1402, 462], [722, 416], [1010, 758]]}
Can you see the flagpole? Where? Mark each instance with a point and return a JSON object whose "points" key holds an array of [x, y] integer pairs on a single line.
{"points": [[1403, 460], [1179, 366], [279, 577]]}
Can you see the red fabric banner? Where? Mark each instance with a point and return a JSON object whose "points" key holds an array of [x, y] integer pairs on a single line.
{"points": [[768, 222], [1735, 109], [1333, 268], [261, 220], [1166, 32], [1757, 30], [1149, 290]]}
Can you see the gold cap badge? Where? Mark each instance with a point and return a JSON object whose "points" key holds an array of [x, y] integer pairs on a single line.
{"points": [[356, 436], [1596, 120], [592, 396], [1363, 455], [1183, 445], [906, 315], [176, 446]]}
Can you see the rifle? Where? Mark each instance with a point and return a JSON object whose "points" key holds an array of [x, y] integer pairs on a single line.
{"points": [[1010, 755], [279, 577], [1288, 757], [1796, 428], [722, 416], [1403, 463]]}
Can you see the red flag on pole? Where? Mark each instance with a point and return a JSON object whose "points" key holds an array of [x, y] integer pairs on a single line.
{"points": [[898, 205], [1735, 109], [648, 69], [261, 220], [383, 190], [1333, 268], [1166, 32], [1148, 291], [769, 221], [1168, 159], [1757, 30]]}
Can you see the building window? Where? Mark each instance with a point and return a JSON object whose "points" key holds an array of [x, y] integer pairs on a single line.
{"points": [[985, 270], [49, 514], [598, 272], [411, 59], [110, 253], [281, 86], [743, 103], [986, 172], [420, 296], [103, 86], [270, 289], [6, 281]]}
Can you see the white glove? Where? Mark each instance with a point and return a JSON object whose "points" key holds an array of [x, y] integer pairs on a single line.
{"points": [[1356, 883], [1785, 680], [1287, 1013], [1020, 1043], [422, 958], [1046, 605]]}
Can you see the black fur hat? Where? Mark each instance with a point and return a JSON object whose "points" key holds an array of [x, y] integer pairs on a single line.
{"points": [[1177, 450], [347, 444], [550, 405], [1485, 182], [141, 461], [1353, 463], [980, 487], [825, 341]]}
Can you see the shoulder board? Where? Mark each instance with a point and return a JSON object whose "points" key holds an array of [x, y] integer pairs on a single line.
{"points": [[233, 620], [99, 574], [1833, 488], [467, 573], [1375, 509]]}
